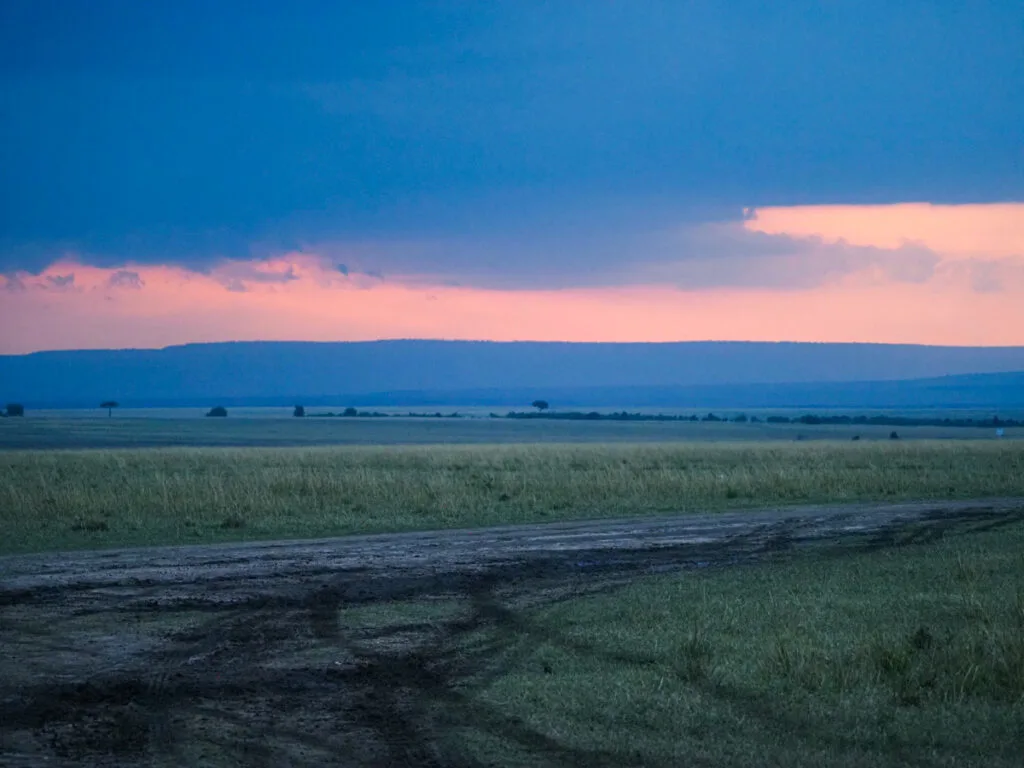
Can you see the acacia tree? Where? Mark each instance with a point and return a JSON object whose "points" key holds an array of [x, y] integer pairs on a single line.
{"points": [[110, 405], [540, 405]]}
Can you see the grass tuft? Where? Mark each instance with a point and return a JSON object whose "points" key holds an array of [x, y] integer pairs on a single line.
{"points": [[182, 495], [888, 658]]}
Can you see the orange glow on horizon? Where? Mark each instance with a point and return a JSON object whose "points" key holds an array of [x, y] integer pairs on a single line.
{"points": [[989, 230], [975, 296], [176, 306]]}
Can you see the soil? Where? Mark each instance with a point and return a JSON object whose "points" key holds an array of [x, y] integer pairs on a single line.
{"points": [[354, 651]]}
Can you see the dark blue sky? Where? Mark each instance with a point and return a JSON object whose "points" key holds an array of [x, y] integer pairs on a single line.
{"points": [[188, 131]]}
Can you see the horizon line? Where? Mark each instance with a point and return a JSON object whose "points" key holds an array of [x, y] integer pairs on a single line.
{"points": [[517, 341]]}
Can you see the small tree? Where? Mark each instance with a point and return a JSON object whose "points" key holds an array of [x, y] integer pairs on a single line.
{"points": [[15, 409], [540, 405], [350, 412], [110, 405], [299, 411], [219, 411]]}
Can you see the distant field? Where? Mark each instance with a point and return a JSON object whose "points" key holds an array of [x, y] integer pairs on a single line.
{"points": [[181, 427], [75, 499]]}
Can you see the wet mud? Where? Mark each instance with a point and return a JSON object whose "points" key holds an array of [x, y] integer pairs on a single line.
{"points": [[356, 651]]}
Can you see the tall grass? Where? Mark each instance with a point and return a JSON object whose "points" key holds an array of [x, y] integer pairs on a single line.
{"points": [[95, 498], [902, 656]]}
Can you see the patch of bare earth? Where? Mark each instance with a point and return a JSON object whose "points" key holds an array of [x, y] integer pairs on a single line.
{"points": [[356, 651]]}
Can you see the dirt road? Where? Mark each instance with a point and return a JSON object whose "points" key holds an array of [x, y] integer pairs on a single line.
{"points": [[345, 651]]}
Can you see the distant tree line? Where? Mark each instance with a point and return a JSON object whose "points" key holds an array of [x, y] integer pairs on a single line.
{"points": [[808, 419], [621, 416], [896, 421], [543, 412], [742, 418], [353, 413]]}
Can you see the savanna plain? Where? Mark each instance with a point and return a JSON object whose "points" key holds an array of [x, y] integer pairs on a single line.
{"points": [[803, 635]]}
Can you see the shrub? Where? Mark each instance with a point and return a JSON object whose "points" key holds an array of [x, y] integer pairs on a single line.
{"points": [[219, 411], [15, 409]]}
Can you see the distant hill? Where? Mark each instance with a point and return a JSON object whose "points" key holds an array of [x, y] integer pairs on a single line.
{"points": [[690, 374]]}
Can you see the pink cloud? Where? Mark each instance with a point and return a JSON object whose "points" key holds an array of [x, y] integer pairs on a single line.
{"points": [[929, 280], [994, 230], [176, 306]]}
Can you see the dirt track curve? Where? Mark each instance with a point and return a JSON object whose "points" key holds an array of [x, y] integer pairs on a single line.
{"points": [[246, 654]]}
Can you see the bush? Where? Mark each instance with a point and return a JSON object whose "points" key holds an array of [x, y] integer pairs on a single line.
{"points": [[299, 411], [350, 412], [219, 410], [15, 409]]}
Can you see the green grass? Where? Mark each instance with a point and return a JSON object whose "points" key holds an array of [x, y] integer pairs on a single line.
{"points": [[906, 656], [76, 499], [172, 428]]}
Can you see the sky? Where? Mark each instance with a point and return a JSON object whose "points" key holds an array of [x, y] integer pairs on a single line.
{"points": [[593, 171]]}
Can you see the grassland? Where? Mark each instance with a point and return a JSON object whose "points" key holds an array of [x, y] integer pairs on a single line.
{"points": [[898, 657], [84, 499], [171, 428]]}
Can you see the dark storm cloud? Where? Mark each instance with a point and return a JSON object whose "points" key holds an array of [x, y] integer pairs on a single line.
{"points": [[125, 278], [692, 257], [146, 133], [796, 265], [61, 281], [235, 275]]}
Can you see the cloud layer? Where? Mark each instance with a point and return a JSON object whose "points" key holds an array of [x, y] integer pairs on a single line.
{"points": [[141, 133], [515, 169], [697, 281]]}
